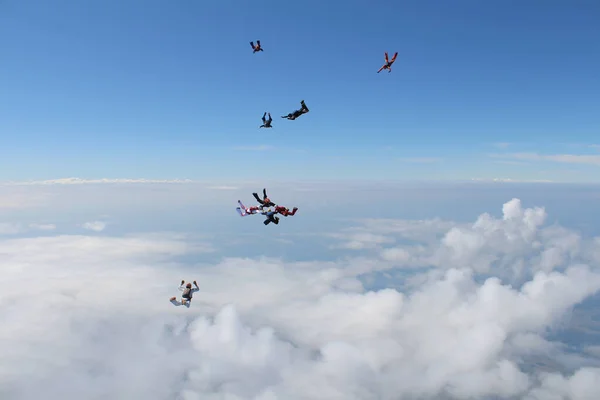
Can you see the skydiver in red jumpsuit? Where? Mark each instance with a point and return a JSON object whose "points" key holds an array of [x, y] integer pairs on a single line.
{"points": [[286, 211], [388, 63]]}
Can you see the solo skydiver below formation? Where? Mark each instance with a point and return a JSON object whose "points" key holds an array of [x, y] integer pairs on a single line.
{"points": [[292, 116], [266, 122], [186, 296]]}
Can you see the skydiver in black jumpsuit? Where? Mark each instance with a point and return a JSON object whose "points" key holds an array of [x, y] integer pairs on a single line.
{"points": [[297, 113], [266, 122], [265, 201]]}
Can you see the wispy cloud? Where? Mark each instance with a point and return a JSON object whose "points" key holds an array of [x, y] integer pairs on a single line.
{"points": [[423, 160], [559, 158], [7, 228], [97, 226], [223, 187], [511, 180], [43, 227], [261, 147], [501, 145], [82, 181]]}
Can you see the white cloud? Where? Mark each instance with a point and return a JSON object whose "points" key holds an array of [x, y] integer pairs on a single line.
{"points": [[511, 180], [89, 317], [97, 226], [223, 187], [559, 158], [502, 145], [43, 227], [8, 228], [80, 181]]}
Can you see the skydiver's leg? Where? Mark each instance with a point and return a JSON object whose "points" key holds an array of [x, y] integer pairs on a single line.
{"points": [[267, 221], [257, 198], [263, 118], [276, 220], [264, 193], [304, 106]]}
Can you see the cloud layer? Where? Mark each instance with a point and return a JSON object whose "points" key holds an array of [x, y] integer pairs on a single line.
{"points": [[89, 317]]}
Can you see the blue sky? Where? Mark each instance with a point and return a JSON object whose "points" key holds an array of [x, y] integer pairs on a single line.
{"points": [[165, 90]]}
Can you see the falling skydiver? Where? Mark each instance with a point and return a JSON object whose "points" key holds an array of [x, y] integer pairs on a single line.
{"points": [[265, 202], [257, 47], [297, 113], [266, 122], [388, 63], [286, 211], [270, 217]]}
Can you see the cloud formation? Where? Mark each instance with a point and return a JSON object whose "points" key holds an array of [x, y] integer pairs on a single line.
{"points": [[472, 316]]}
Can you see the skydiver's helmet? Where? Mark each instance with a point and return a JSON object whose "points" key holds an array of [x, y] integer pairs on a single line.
{"points": [[189, 286], [267, 200]]}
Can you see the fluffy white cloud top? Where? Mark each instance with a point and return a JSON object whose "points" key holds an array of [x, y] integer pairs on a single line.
{"points": [[89, 317]]}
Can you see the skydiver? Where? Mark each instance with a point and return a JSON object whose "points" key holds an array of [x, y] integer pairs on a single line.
{"points": [[243, 210], [286, 211], [270, 217], [265, 202], [257, 47], [297, 113], [188, 292], [266, 122], [388, 63]]}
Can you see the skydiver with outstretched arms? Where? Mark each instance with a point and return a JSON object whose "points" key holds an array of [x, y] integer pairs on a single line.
{"points": [[265, 201], [292, 116], [188, 293], [271, 217], [286, 211], [266, 122]]}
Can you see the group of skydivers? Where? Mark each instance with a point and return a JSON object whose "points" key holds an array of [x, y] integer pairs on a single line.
{"points": [[265, 209], [304, 109], [265, 203]]}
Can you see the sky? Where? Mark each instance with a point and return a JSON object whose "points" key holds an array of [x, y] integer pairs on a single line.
{"points": [[164, 90], [447, 239], [459, 292]]}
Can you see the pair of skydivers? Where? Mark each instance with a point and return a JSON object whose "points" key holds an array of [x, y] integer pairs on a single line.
{"points": [[387, 65], [291, 116], [265, 202]]}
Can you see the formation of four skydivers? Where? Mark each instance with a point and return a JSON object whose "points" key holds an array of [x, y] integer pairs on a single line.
{"points": [[265, 203]]}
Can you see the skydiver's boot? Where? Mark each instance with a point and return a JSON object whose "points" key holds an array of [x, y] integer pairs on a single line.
{"points": [[304, 106], [173, 298]]}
